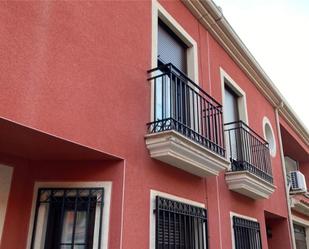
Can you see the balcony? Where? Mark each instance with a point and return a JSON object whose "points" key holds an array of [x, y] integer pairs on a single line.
{"points": [[187, 128], [300, 203], [250, 172]]}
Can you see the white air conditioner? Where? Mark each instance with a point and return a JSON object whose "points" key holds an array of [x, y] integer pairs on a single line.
{"points": [[298, 182]]}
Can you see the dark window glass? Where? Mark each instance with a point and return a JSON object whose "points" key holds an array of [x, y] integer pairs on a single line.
{"points": [[170, 48], [70, 215], [300, 237], [246, 234], [180, 225], [230, 110], [230, 105]]}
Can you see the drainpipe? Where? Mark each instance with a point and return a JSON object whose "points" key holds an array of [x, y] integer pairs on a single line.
{"points": [[290, 223]]}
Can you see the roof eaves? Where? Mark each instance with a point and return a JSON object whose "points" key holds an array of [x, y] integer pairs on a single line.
{"points": [[211, 17]]}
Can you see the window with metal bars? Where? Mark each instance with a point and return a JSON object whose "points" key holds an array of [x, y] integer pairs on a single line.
{"points": [[246, 234], [180, 225], [65, 218]]}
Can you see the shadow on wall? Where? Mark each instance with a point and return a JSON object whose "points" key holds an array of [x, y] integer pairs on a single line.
{"points": [[276, 230]]}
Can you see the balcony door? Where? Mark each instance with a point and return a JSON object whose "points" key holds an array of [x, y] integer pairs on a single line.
{"points": [[170, 50], [231, 114], [230, 105]]}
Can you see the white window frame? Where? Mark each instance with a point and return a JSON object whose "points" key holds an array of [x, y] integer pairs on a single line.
{"points": [[304, 223], [6, 173], [158, 12], [267, 122], [106, 208], [232, 214], [152, 221], [242, 99], [226, 80]]}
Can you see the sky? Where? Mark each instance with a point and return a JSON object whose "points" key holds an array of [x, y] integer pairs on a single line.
{"points": [[277, 34]]}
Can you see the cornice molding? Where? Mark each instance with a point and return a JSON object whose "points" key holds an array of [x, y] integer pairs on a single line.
{"points": [[290, 117], [213, 20]]}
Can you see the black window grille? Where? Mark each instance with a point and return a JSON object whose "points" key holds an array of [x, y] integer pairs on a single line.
{"points": [[68, 216], [246, 234], [180, 225]]}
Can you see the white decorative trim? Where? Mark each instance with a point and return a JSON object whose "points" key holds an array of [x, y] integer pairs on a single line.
{"points": [[273, 150], [300, 221], [152, 219], [298, 206], [243, 216], [6, 173], [242, 100], [177, 150], [158, 12], [232, 214], [106, 209], [248, 184]]}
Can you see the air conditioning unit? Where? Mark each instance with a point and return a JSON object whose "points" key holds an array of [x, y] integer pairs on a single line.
{"points": [[298, 182]]}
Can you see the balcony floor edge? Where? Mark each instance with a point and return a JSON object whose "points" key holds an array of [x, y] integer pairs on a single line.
{"points": [[248, 184], [177, 150]]}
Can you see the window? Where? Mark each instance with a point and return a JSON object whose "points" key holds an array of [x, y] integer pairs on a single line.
{"points": [[66, 218], [231, 115], [180, 225], [290, 165], [170, 50], [230, 105], [269, 136], [300, 237], [170, 44], [233, 99], [246, 233], [234, 111], [189, 60], [179, 104]]}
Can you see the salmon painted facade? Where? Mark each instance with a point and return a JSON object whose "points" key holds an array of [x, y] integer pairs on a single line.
{"points": [[143, 124]]}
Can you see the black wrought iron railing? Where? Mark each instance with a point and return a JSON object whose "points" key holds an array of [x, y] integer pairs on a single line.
{"points": [[183, 106], [248, 151]]}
